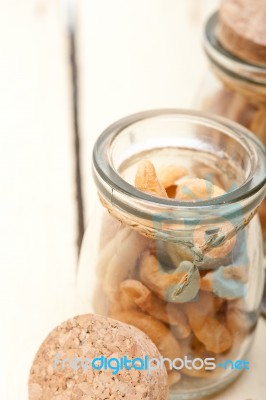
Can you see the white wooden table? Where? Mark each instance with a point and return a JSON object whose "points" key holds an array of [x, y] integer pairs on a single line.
{"points": [[38, 209]]}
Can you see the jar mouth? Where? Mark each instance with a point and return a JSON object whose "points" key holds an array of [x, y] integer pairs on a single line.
{"points": [[110, 182], [230, 64]]}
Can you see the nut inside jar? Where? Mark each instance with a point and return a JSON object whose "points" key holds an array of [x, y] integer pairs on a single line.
{"points": [[190, 309]]}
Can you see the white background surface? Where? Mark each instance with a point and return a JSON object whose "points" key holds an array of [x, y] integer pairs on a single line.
{"points": [[137, 55], [133, 55]]}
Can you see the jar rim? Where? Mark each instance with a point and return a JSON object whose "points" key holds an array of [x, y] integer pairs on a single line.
{"points": [[106, 175], [226, 61]]}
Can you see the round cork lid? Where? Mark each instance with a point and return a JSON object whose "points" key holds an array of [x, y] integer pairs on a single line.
{"points": [[63, 366], [242, 29]]}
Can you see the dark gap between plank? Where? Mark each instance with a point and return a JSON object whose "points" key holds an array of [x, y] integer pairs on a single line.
{"points": [[72, 41]]}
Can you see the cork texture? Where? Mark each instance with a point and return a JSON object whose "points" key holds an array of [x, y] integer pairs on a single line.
{"points": [[91, 336], [242, 29]]}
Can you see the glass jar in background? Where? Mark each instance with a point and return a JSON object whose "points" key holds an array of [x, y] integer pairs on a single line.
{"points": [[186, 270], [234, 89]]}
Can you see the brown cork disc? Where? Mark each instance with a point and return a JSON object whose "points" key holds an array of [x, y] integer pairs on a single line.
{"points": [[242, 29], [85, 338]]}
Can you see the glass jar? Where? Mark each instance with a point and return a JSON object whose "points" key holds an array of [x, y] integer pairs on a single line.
{"points": [[188, 273], [234, 89]]}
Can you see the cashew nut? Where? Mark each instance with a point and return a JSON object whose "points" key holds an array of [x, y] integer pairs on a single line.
{"points": [[178, 321], [194, 189], [178, 252], [178, 285], [188, 286], [134, 296], [207, 235], [214, 335], [169, 174], [154, 277], [237, 272], [158, 332], [173, 377], [193, 349], [206, 282], [208, 330], [147, 181], [203, 171], [226, 282]]}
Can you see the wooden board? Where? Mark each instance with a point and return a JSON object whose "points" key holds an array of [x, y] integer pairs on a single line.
{"points": [[38, 206], [136, 55], [37, 213]]}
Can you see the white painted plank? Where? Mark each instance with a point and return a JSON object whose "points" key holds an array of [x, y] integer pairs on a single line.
{"points": [[37, 214], [136, 55]]}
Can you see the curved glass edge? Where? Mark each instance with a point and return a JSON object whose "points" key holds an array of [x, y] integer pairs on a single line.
{"points": [[116, 186]]}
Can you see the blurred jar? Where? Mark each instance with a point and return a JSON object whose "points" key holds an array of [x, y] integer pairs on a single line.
{"points": [[187, 273], [235, 89]]}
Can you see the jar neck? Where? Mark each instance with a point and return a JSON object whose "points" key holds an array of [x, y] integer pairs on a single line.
{"points": [[168, 223], [178, 129]]}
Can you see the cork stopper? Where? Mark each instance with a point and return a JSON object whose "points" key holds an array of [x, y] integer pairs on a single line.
{"points": [[59, 373], [242, 29]]}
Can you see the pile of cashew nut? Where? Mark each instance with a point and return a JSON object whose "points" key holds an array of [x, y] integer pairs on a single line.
{"points": [[185, 310]]}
